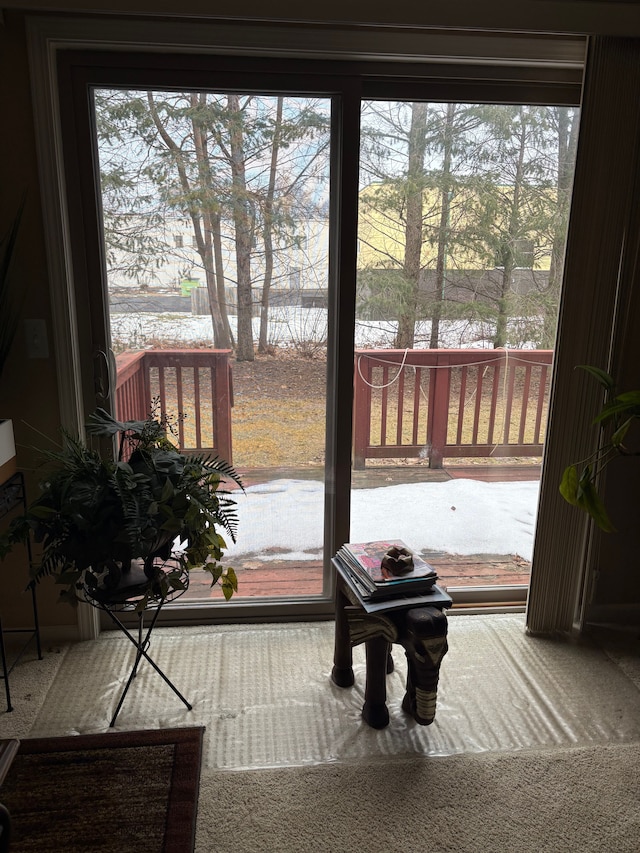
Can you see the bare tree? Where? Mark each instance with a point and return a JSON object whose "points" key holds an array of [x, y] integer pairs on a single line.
{"points": [[217, 159]]}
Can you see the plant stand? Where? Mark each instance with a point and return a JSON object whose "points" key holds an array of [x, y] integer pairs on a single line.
{"points": [[123, 602]]}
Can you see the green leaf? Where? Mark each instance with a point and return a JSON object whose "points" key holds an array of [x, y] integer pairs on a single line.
{"points": [[69, 577], [228, 588], [630, 398], [41, 512], [618, 436], [232, 578], [618, 407], [215, 570], [590, 501], [6, 546], [569, 485], [167, 491], [601, 375]]}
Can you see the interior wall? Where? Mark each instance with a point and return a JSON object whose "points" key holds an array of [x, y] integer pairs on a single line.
{"points": [[28, 391], [28, 386]]}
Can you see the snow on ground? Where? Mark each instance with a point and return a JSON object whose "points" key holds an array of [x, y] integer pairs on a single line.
{"points": [[289, 326], [457, 517]]}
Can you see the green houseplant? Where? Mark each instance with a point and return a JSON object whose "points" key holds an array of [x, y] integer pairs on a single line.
{"points": [[98, 518], [579, 481]]}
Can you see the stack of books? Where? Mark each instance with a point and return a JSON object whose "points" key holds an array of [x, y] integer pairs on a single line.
{"points": [[363, 565]]}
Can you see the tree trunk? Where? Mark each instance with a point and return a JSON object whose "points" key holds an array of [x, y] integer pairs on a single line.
{"points": [[567, 145], [204, 241], [443, 231], [216, 222], [243, 231], [405, 337], [219, 332], [268, 231], [508, 248]]}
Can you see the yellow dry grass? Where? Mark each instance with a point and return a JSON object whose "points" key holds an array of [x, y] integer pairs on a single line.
{"points": [[291, 434]]}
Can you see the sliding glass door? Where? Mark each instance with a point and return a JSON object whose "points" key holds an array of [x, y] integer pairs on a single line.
{"points": [[215, 223], [463, 212], [293, 261]]}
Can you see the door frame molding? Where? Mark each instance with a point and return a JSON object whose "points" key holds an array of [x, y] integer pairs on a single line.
{"points": [[411, 55]]}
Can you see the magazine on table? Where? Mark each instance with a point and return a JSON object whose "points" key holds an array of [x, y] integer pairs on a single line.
{"points": [[367, 564], [406, 597]]}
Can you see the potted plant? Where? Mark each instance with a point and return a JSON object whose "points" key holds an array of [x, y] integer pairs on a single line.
{"points": [[579, 480], [107, 525]]}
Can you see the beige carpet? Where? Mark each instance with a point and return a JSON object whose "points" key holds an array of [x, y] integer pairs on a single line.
{"points": [[581, 800], [29, 683]]}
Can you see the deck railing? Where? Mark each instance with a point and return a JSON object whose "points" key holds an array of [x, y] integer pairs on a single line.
{"points": [[194, 383], [416, 403], [449, 403]]}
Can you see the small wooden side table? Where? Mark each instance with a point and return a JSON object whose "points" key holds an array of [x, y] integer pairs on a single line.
{"points": [[8, 750], [418, 623]]}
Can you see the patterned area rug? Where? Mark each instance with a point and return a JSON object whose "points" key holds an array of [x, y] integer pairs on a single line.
{"points": [[120, 792]]}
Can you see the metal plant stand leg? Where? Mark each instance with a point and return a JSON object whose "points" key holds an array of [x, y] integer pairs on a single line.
{"points": [[141, 645], [134, 594]]}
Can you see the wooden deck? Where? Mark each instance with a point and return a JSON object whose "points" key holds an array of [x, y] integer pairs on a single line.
{"points": [[285, 579]]}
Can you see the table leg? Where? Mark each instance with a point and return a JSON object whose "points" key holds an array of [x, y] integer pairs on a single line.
{"points": [[342, 672], [374, 710], [8, 750], [5, 828], [140, 643], [424, 637], [36, 620]]}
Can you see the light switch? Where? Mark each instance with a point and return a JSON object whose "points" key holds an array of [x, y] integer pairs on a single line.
{"points": [[36, 334]]}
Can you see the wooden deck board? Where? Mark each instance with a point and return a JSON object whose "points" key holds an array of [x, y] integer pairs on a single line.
{"points": [[378, 476], [287, 579]]}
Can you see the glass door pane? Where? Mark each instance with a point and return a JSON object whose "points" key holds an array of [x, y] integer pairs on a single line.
{"points": [[215, 213], [462, 221]]}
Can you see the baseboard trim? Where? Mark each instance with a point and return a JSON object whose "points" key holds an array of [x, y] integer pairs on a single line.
{"points": [[59, 634], [613, 614]]}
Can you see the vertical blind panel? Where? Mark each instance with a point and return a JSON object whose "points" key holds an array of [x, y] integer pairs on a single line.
{"points": [[600, 217]]}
